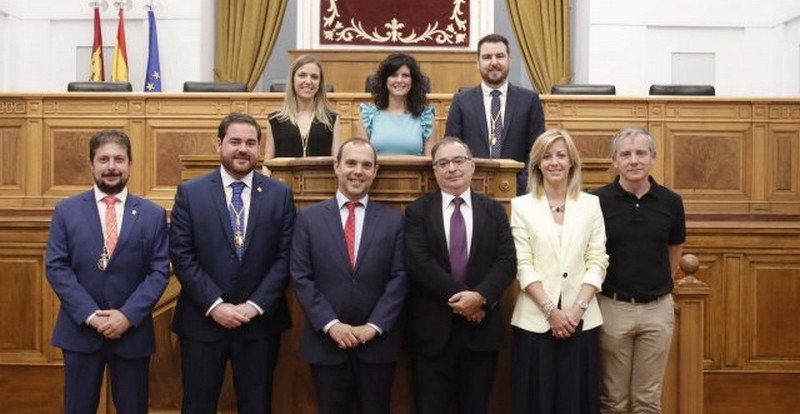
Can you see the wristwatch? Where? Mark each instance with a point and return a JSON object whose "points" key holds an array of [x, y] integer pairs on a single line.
{"points": [[582, 304]]}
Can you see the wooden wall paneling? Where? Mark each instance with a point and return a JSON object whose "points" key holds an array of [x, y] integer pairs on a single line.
{"points": [[771, 312], [707, 161], [782, 161], [348, 70], [64, 160], [167, 140], [32, 389], [732, 356], [751, 392], [13, 157]]}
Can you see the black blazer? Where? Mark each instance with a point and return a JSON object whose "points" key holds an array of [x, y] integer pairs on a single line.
{"points": [[204, 256], [523, 121], [492, 266]]}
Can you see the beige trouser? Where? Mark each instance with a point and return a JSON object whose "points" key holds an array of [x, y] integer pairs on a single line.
{"points": [[634, 346]]}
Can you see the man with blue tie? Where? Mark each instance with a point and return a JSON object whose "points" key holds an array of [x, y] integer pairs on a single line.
{"points": [[497, 119], [229, 242], [108, 263], [348, 276], [460, 258]]}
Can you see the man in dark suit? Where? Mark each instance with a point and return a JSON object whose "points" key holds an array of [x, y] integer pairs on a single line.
{"points": [[497, 119], [347, 271], [460, 258], [107, 261], [229, 242]]}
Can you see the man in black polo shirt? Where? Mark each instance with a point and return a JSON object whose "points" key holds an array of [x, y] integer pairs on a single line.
{"points": [[646, 228]]}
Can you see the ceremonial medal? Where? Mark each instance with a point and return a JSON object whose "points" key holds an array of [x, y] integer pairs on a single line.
{"points": [[238, 239], [102, 262]]}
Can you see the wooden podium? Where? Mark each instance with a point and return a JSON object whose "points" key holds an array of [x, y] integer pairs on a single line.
{"points": [[400, 179]]}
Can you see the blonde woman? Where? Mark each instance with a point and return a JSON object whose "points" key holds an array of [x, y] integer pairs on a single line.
{"points": [[306, 125], [561, 263]]}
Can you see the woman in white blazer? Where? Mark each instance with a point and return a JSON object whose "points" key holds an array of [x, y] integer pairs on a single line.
{"points": [[561, 262]]}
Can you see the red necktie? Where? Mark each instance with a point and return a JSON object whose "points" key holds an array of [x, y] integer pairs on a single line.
{"points": [[111, 224], [350, 231]]}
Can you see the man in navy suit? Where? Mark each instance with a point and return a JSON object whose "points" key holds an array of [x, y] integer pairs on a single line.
{"points": [[347, 271], [460, 258], [497, 119], [107, 261], [229, 242]]}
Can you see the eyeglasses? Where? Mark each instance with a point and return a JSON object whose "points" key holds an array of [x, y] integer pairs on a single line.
{"points": [[457, 161]]}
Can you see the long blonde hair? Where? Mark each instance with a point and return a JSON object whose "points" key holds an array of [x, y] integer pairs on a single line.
{"points": [[540, 146], [322, 109]]}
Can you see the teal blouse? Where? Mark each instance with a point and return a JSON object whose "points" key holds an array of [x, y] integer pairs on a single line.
{"points": [[397, 134]]}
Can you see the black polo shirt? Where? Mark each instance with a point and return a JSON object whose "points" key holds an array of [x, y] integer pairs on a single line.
{"points": [[639, 232]]}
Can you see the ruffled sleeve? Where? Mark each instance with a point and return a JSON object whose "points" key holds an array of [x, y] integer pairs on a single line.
{"points": [[368, 112], [426, 120]]}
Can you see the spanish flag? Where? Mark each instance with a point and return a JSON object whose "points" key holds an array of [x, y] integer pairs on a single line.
{"points": [[119, 72], [97, 50]]}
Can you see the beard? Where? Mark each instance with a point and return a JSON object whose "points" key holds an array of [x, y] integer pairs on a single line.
{"points": [[109, 188]]}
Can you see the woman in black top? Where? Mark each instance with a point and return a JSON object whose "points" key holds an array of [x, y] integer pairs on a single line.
{"points": [[306, 125]]}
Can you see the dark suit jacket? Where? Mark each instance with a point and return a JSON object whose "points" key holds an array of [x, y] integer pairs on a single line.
{"points": [[491, 267], [523, 121], [205, 262], [132, 283], [328, 288]]}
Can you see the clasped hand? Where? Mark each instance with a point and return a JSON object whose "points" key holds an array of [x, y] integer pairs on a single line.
{"points": [[110, 323], [468, 304], [564, 322], [233, 316], [348, 336]]}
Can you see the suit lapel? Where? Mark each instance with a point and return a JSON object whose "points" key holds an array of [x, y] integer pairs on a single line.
{"points": [[367, 231], [218, 198], [129, 220], [478, 223], [481, 115], [333, 220], [256, 199], [90, 211], [438, 223], [542, 210], [511, 106]]}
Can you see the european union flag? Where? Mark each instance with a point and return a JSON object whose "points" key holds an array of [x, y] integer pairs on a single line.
{"points": [[152, 82]]}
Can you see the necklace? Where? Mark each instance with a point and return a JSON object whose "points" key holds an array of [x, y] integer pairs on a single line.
{"points": [[238, 236], [305, 131], [102, 262], [304, 141], [493, 121], [557, 209]]}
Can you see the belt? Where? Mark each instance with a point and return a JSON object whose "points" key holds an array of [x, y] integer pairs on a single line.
{"points": [[630, 299]]}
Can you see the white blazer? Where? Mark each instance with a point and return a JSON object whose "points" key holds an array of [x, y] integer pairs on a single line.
{"points": [[561, 265]]}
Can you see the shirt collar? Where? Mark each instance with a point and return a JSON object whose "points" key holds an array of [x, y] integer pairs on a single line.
{"points": [[623, 192], [341, 199], [227, 179], [121, 196], [487, 90], [447, 198]]}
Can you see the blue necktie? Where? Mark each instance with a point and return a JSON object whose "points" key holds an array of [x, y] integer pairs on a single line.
{"points": [[237, 214], [496, 126], [458, 243]]}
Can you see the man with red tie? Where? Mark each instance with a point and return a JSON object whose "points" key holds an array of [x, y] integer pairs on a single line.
{"points": [[347, 270], [460, 258], [107, 260]]}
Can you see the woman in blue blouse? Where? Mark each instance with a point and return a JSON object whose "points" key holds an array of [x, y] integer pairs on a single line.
{"points": [[399, 123]]}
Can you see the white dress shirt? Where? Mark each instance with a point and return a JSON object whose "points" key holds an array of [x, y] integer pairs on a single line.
{"points": [[466, 210], [487, 103]]}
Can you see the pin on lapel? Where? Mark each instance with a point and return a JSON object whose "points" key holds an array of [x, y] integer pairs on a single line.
{"points": [[258, 189], [133, 212]]}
